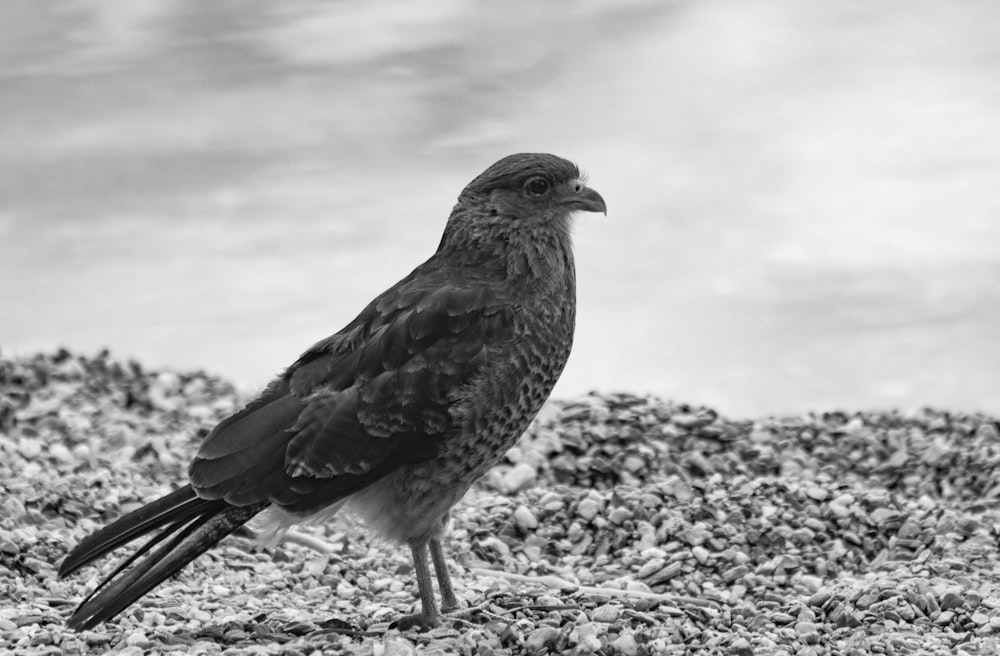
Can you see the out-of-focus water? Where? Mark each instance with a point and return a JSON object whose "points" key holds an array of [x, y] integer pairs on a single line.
{"points": [[804, 197]]}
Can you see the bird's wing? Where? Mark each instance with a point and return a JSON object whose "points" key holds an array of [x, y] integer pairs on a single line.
{"points": [[361, 403]]}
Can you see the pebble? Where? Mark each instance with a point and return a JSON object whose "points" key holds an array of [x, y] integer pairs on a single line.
{"points": [[817, 493], [199, 615], [839, 509], [518, 478], [808, 632], [951, 600], [734, 573], [944, 618], [138, 639], [541, 639], [587, 636], [740, 647], [588, 508], [607, 613], [93, 638], [626, 645], [525, 519], [619, 516]]}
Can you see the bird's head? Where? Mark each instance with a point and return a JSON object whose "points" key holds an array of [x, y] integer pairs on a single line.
{"points": [[524, 193], [532, 186]]}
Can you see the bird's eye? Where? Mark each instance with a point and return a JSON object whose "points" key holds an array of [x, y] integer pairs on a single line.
{"points": [[537, 186]]}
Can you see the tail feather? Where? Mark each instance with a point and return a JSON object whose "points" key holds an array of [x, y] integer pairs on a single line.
{"points": [[190, 526], [181, 504]]}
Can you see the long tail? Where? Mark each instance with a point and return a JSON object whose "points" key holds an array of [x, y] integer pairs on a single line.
{"points": [[190, 527]]}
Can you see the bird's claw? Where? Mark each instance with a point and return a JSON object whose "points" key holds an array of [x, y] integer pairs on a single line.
{"points": [[420, 622]]}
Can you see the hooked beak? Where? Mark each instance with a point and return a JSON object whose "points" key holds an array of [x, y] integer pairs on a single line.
{"points": [[578, 196]]}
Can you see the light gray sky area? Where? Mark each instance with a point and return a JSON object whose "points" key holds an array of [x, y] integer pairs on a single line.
{"points": [[804, 198]]}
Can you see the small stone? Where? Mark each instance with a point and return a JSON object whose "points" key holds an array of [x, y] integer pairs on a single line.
{"points": [[619, 515], [988, 432], [519, 477], [626, 644], [741, 647], [780, 618], [27, 620], [667, 573], [910, 530], [541, 639], [493, 543], [808, 632], [854, 427], [163, 392], [587, 636], [845, 499], [60, 452], [944, 618], [819, 598], [588, 508], [525, 519], [607, 613], [651, 567], [93, 638], [131, 651], [315, 566], [700, 554], [200, 615], [817, 493], [951, 600], [734, 573], [839, 509]]}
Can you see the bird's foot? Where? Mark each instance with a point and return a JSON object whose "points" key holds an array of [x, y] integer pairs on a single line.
{"points": [[418, 621], [448, 615]]}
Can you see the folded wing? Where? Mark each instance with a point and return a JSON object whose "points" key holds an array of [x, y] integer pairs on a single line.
{"points": [[374, 397]]}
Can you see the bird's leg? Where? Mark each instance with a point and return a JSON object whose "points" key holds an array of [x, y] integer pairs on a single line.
{"points": [[448, 601], [429, 616]]}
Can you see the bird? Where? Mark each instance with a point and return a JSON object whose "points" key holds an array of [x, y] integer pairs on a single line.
{"points": [[396, 415]]}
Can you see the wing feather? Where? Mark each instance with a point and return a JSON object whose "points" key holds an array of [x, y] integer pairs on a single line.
{"points": [[373, 397]]}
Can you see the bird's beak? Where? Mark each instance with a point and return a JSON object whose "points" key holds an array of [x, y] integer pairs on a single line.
{"points": [[578, 196]]}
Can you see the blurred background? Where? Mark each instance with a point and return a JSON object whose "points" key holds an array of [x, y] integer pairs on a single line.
{"points": [[804, 197]]}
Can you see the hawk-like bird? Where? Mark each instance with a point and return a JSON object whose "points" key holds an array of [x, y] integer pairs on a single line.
{"points": [[398, 413]]}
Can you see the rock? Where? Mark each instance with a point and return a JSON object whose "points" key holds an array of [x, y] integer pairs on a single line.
{"points": [[734, 573], [587, 636], [626, 645], [607, 613], [817, 493], [541, 639], [740, 647], [808, 632], [518, 477], [164, 392], [619, 515], [587, 509], [525, 519]]}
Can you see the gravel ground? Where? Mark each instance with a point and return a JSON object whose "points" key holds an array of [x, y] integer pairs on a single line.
{"points": [[618, 525]]}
